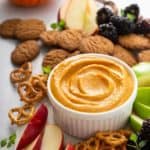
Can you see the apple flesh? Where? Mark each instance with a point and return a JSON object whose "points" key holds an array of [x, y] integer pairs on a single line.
{"points": [[142, 110], [142, 71], [79, 14], [142, 103], [52, 138], [34, 127], [136, 122], [69, 147]]}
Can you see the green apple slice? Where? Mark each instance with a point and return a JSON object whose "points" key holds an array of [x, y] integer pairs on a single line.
{"points": [[142, 68], [142, 71], [143, 95], [142, 110], [142, 103], [135, 122]]}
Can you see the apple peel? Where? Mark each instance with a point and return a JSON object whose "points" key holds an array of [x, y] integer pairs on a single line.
{"points": [[34, 127]]}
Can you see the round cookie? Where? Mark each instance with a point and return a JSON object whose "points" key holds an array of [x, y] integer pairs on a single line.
{"points": [[8, 27], [25, 52], [69, 39], [55, 56], [29, 29], [49, 38], [96, 44], [144, 56], [124, 55], [135, 42]]}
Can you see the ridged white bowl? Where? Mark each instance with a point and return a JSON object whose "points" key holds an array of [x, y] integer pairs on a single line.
{"points": [[82, 124]]}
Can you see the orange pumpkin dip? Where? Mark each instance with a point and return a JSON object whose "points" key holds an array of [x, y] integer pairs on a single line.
{"points": [[91, 84]]}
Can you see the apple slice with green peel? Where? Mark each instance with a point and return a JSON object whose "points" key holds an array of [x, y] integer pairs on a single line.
{"points": [[136, 122], [79, 14], [34, 127], [52, 138], [142, 110], [142, 71], [143, 95], [142, 103]]}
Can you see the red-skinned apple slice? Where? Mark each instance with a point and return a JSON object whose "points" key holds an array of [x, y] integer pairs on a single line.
{"points": [[69, 147], [52, 138], [36, 144], [82, 18], [34, 127]]}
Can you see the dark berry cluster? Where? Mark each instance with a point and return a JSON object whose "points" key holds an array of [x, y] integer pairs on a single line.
{"points": [[132, 10], [111, 26], [142, 140]]}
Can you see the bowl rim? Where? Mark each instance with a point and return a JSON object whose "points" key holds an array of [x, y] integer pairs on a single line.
{"points": [[87, 114]]}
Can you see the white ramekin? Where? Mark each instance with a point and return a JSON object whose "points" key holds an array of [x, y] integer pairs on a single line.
{"points": [[83, 125]]}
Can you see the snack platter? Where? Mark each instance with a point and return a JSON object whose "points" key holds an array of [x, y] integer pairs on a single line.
{"points": [[12, 89]]}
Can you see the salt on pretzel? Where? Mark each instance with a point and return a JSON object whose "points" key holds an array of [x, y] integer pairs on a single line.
{"points": [[21, 115], [33, 90], [21, 74]]}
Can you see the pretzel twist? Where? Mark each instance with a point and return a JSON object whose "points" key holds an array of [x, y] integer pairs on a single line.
{"points": [[115, 140], [21, 74], [34, 90], [21, 115]]}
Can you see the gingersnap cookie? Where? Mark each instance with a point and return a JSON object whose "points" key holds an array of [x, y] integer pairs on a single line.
{"points": [[96, 44], [29, 29], [53, 57], [49, 38], [69, 39], [25, 52], [135, 42], [144, 55], [8, 27], [124, 55]]}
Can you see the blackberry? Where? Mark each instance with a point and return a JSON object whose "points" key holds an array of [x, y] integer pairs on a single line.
{"points": [[143, 27], [103, 15], [132, 9], [109, 31], [123, 25], [145, 130]]}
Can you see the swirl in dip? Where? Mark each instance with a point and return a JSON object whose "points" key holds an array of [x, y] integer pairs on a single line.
{"points": [[91, 84]]}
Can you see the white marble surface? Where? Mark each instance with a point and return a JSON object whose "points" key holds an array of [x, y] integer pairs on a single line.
{"points": [[8, 95]]}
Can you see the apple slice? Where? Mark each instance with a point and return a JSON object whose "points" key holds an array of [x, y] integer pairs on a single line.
{"points": [[136, 122], [79, 15], [69, 147], [142, 103], [90, 25], [142, 71], [142, 110], [34, 127], [63, 10], [36, 144], [52, 138]]}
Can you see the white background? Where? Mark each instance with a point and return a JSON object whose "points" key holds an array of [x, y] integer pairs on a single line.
{"points": [[8, 94]]}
